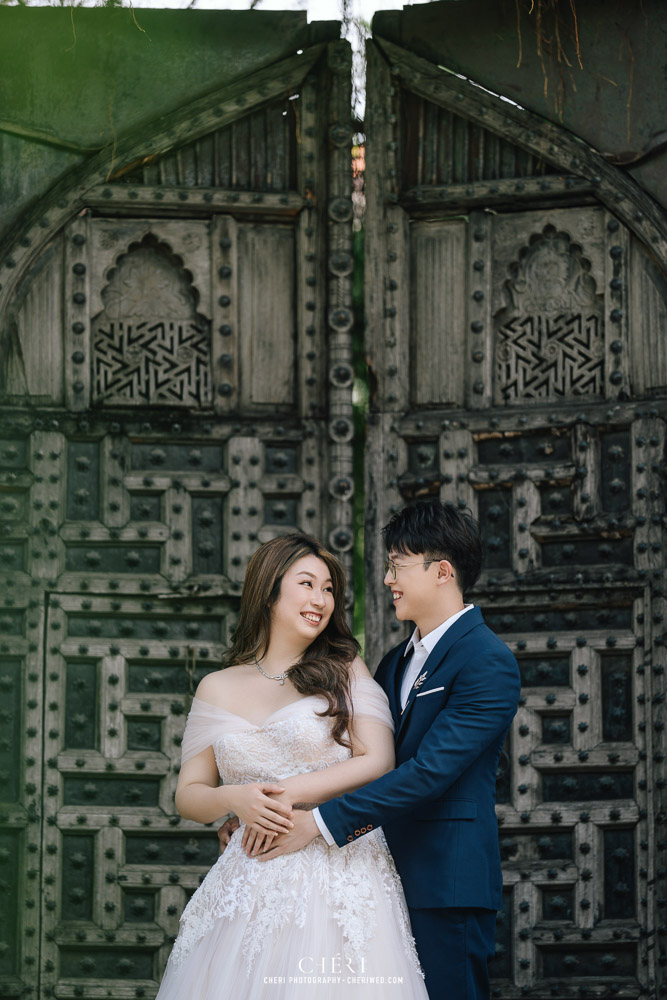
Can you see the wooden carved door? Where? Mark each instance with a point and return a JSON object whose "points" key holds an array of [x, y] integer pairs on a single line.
{"points": [[516, 301], [176, 388]]}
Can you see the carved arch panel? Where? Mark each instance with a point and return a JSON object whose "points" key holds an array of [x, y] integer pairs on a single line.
{"points": [[149, 345], [549, 337]]}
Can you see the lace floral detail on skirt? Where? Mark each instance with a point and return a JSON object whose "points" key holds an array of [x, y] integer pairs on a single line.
{"points": [[270, 895]]}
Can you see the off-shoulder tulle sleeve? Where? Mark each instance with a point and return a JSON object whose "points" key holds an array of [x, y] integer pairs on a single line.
{"points": [[205, 724], [370, 702]]}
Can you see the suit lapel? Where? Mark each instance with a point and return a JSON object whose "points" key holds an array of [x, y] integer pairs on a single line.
{"points": [[392, 683], [436, 659]]}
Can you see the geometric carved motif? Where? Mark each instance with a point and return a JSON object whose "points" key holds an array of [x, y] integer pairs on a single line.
{"points": [[550, 336], [149, 343]]}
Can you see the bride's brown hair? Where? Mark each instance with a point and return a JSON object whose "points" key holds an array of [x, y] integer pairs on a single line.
{"points": [[324, 667]]}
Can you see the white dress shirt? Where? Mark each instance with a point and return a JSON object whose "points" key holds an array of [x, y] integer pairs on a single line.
{"points": [[421, 648]]}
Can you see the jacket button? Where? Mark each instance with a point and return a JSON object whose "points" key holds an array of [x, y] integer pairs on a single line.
{"points": [[350, 837]]}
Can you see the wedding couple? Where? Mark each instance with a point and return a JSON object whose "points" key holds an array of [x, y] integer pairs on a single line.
{"points": [[342, 783]]}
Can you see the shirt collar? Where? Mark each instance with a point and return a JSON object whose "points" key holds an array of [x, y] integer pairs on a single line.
{"points": [[430, 640]]}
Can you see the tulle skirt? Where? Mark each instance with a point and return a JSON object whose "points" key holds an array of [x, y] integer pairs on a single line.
{"points": [[326, 922]]}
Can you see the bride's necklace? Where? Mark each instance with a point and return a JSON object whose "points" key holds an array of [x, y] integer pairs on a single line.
{"points": [[272, 677]]}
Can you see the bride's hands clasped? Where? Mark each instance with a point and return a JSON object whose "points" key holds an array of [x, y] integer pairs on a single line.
{"points": [[260, 807]]}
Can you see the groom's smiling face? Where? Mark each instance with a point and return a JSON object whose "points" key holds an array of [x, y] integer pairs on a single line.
{"points": [[415, 586]]}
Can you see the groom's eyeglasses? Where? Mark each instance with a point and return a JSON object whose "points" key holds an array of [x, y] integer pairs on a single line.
{"points": [[392, 568]]}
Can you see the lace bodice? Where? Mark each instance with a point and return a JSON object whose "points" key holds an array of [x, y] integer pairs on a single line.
{"points": [[289, 742], [292, 740]]}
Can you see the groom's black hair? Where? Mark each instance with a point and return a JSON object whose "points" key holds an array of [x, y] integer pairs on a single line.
{"points": [[438, 530]]}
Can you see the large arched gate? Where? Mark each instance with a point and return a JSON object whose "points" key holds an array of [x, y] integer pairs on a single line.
{"points": [[176, 387], [515, 305]]}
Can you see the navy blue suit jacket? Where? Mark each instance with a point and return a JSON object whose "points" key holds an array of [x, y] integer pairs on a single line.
{"points": [[437, 808]]}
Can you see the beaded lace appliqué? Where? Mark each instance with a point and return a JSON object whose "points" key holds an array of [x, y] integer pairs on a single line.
{"points": [[268, 895]]}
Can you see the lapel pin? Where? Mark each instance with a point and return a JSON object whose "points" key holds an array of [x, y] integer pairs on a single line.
{"points": [[420, 680]]}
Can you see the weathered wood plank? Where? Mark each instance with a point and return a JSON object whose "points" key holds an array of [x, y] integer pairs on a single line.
{"points": [[647, 308], [310, 255], [48, 460], [379, 136], [33, 364], [618, 273], [114, 498], [438, 293], [200, 199], [504, 193], [457, 453], [476, 322], [526, 508], [385, 454], [340, 316], [266, 316], [225, 318], [245, 505]]}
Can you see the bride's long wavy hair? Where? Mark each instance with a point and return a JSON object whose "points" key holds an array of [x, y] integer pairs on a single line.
{"points": [[324, 667]]}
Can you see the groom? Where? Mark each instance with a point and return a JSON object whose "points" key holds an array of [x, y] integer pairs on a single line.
{"points": [[453, 689]]}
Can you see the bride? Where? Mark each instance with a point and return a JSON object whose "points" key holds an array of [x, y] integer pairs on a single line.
{"points": [[293, 719]]}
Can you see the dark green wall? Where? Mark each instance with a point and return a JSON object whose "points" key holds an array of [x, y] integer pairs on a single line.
{"points": [[76, 77]]}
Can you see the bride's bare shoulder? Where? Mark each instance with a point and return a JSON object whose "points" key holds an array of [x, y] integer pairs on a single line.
{"points": [[358, 669], [216, 686]]}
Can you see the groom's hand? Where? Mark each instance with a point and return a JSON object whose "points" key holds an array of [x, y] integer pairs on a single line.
{"points": [[226, 830], [304, 830]]}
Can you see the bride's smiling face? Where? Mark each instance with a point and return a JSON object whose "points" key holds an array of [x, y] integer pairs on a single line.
{"points": [[306, 600]]}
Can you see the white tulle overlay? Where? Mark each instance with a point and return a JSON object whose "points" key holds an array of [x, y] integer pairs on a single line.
{"points": [[326, 921]]}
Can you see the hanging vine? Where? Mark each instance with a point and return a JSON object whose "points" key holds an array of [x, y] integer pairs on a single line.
{"points": [[556, 29]]}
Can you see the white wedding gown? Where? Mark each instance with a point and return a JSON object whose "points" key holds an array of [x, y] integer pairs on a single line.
{"points": [[326, 922]]}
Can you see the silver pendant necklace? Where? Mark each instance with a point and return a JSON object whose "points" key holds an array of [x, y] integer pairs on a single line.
{"points": [[272, 677]]}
